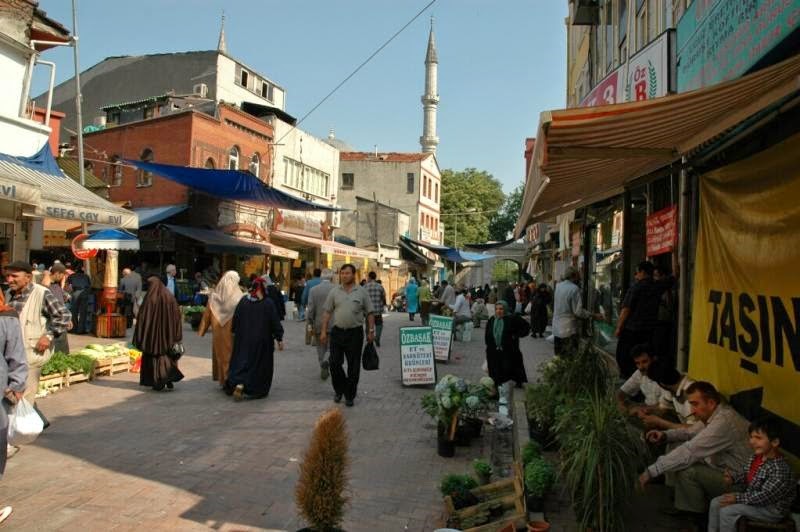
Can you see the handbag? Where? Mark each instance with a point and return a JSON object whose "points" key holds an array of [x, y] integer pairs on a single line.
{"points": [[176, 351], [369, 358]]}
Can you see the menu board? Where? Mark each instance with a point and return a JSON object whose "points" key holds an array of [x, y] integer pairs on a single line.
{"points": [[416, 356], [442, 336]]}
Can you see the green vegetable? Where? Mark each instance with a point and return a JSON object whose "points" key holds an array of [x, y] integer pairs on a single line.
{"points": [[62, 363], [482, 467], [457, 483], [539, 477]]}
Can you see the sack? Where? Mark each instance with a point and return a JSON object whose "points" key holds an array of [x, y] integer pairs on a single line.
{"points": [[24, 424], [177, 351], [528, 308], [369, 358]]}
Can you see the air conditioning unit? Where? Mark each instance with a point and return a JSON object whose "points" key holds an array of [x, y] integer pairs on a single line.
{"points": [[335, 219], [200, 89]]}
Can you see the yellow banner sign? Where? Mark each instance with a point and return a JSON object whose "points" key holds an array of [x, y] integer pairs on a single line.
{"points": [[746, 298]]}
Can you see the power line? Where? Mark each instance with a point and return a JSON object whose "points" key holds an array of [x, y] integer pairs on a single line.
{"points": [[359, 67]]}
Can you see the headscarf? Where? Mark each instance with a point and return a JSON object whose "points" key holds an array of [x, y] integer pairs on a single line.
{"points": [[258, 284], [158, 325], [3, 306], [500, 324], [225, 297]]}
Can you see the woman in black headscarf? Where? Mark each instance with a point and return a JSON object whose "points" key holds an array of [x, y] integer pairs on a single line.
{"points": [[541, 299], [256, 328], [158, 329], [503, 356]]}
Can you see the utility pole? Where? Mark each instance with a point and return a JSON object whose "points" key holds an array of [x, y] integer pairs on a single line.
{"points": [[79, 113], [377, 238]]}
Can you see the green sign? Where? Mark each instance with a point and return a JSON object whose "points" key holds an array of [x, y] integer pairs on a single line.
{"points": [[416, 356], [720, 40], [442, 336]]}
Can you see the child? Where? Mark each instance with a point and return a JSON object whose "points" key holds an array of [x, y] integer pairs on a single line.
{"points": [[770, 486]]}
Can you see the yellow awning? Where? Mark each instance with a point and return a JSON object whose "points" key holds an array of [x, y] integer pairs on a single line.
{"points": [[587, 154]]}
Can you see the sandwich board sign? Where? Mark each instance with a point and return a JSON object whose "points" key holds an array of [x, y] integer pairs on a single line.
{"points": [[416, 356], [442, 336]]}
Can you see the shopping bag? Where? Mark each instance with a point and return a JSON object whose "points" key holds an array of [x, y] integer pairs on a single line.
{"points": [[369, 358], [24, 424]]}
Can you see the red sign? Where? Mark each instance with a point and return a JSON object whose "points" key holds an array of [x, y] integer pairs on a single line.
{"points": [[662, 231], [80, 253]]}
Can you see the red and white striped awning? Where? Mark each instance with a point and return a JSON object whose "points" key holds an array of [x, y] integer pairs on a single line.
{"points": [[587, 154]]}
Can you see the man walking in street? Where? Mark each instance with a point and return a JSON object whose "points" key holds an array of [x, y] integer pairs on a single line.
{"points": [[57, 273], [169, 278], [311, 283], [131, 287], [348, 305], [314, 313], [42, 317], [377, 296], [567, 310], [79, 286]]}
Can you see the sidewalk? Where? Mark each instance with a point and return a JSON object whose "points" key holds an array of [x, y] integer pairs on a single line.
{"points": [[121, 457]]}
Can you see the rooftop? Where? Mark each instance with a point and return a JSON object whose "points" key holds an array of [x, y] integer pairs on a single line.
{"points": [[390, 157]]}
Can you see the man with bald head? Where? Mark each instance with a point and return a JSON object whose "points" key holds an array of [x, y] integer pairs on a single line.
{"points": [[131, 287]]}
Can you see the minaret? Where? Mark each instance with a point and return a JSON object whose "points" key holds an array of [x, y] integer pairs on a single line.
{"points": [[430, 100], [222, 46]]}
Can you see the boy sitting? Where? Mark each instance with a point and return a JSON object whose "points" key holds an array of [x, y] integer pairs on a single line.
{"points": [[769, 482]]}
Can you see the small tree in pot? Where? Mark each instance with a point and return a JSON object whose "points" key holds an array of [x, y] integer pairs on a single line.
{"points": [[540, 475], [483, 470], [319, 493]]}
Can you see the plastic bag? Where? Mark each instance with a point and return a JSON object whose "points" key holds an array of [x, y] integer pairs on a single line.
{"points": [[369, 358], [24, 424]]}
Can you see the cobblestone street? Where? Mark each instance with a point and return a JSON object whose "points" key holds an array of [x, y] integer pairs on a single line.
{"points": [[121, 457]]}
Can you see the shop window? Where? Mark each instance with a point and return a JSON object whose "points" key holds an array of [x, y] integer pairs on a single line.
{"points": [[255, 164], [348, 181], [116, 171], [410, 183], [143, 177], [233, 158], [210, 164]]}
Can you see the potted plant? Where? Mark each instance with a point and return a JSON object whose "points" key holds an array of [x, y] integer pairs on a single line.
{"points": [[194, 314], [540, 476], [443, 406], [458, 487], [319, 493], [531, 451], [483, 470]]}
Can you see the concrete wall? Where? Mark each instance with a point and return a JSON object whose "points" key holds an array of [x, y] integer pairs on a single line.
{"points": [[359, 224], [230, 90], [13, 64]]}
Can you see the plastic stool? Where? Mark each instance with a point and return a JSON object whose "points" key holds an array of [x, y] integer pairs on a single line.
{"points": [[466, 332]]}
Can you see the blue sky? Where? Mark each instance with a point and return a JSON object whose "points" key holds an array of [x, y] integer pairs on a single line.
{"points": [[501, 62]]}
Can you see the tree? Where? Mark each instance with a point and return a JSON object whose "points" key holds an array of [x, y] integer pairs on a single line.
{"points": [[502, 224], [468, 193]]}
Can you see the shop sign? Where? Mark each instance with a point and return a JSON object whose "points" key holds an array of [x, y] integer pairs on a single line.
{"points": [[646, 75], [616, 229], [416, 356], [537, 233], [297, 224], [721, 40], [662, 231], [77, 249], [442, 336], [576, 243]]}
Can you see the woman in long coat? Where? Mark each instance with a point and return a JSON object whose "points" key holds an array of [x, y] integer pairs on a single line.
{"points": [[158, 329], [412, 298], [541, 299], [219, 318], [503, 356], [256, 328]]}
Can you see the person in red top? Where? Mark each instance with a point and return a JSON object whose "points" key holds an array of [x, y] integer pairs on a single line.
{"points": [[769, 485]]}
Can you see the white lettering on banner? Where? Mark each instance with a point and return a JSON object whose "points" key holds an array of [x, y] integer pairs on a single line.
{"points": [[84, 216], [416, 356], [9, 191]]}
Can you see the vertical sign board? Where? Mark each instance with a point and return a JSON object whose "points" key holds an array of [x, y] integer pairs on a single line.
{"points": [[416, 356], [662, 231], [442, 336]]}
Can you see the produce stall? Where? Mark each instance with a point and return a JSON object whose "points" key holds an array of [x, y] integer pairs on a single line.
{"points": [[94, 360]]}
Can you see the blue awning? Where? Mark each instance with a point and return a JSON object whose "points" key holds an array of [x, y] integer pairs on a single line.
{"points": [[152, 215], [232, 185], [451, 254], [111, 239]]}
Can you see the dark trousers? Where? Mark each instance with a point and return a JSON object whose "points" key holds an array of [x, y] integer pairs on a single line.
{"points": [[346, 344], [126, 307], [627, 340], [80, 310]]}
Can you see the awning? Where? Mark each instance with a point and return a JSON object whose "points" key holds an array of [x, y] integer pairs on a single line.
{"points": [[219, 242], [231, 185], [451, 254], [491, 245], [409, 252], [117, 239], [584, 155], [327, 246], [59, 196], [152, 215]]}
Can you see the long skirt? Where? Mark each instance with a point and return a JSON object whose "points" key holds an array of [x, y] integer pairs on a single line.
{"points": [[538, 318], [158, 370], [254, 370]]}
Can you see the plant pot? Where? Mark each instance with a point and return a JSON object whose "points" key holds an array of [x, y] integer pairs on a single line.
{"points": [[484, 479], [463, 436], [538, 526], [194, 320], [444, 447], [309, 529], [537, 433], [534, 504], [474, 426]]}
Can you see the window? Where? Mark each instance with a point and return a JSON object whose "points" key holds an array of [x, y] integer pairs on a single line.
{"points": [[210, 164], [255, 163], [116, 171], [410, 183], [244, 77], [641, 27], [348, 181], [233, 159], [266, 90], [143, 177], [653, 27], [149, 112], [623, 23], [436, 199], [609, 49]]}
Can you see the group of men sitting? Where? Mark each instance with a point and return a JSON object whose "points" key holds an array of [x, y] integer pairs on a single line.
{"points": [[722, 467]]}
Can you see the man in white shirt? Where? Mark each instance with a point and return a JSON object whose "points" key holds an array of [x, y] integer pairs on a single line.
{"points": [[674, 398], [567, 309], [639, 382], [460, 308], [169, 278], [448, 294]]}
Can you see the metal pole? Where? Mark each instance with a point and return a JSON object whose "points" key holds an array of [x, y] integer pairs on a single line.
{"points": [[685, 194], [78, 111]]}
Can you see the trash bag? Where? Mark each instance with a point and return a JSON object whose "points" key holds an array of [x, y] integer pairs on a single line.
{"points": [[369, 358], [24, 424]]}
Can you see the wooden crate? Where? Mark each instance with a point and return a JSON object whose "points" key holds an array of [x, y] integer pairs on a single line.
{"points": [[506, 495], [112, 365], [74, 377], [51, 383], [110, 325]]}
